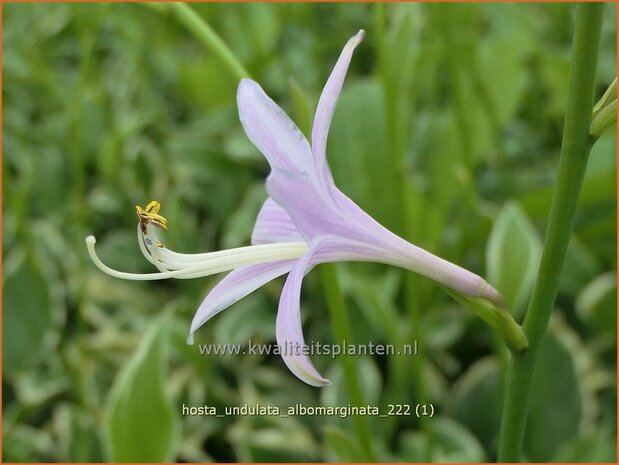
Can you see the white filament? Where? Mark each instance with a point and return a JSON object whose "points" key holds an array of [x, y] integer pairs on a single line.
{"points": [[185, 266]]}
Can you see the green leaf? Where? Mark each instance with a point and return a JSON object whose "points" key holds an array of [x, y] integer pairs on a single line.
{"points": [[451, 443], [512, 255], [25, 317], [140, 424], [555, 406], [477, 400], [341, 446]]}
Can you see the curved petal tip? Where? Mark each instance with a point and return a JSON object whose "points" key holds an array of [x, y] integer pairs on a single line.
{"points": [[307, 373], [356, 39]]}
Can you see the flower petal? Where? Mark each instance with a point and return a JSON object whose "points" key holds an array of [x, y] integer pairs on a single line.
{"points": [[361, 238], [236, 285], [310, 207], [288, 328], [272, 131], [274, 225], [326, 107]]}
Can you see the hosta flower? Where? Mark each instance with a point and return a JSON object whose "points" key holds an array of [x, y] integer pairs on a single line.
{"points": [[305, 221]]}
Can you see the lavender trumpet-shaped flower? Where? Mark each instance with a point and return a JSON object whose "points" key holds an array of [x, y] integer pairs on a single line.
{"points": [[305, 221]]}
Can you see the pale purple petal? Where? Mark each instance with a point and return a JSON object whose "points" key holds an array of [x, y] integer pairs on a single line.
{"points": [[288, 328], [386, 247], [274, 225], [362, 238], [272, 131], [236, 285], [308, 204], [326, 107]]}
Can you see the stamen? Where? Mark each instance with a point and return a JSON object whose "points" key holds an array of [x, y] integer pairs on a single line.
{"points": [[209, 265], [150, 214], [186, 266]]}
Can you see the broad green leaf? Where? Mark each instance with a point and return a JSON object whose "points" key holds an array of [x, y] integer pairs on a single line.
{"points": [[476, 401], [25, 315], [512, 256], [555, 405], [452, 442], [555, 408], [140, 424]]}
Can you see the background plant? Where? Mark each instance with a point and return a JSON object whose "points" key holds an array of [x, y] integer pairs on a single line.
{"points": [[107, 106]]}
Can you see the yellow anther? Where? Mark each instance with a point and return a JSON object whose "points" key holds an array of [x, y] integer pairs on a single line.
{"points": [[150, 214]]}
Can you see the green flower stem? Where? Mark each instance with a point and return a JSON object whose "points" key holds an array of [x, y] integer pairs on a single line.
{"points": [[343, 333], [573, 162], [208, 37]]}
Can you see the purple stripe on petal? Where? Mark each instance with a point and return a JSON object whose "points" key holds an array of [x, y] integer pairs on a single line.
{"points": [[272, 131], [236, 285], [274, 225]]}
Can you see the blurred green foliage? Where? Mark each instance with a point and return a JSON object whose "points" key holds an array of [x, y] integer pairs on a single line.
{"points": [[107, 106]]}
